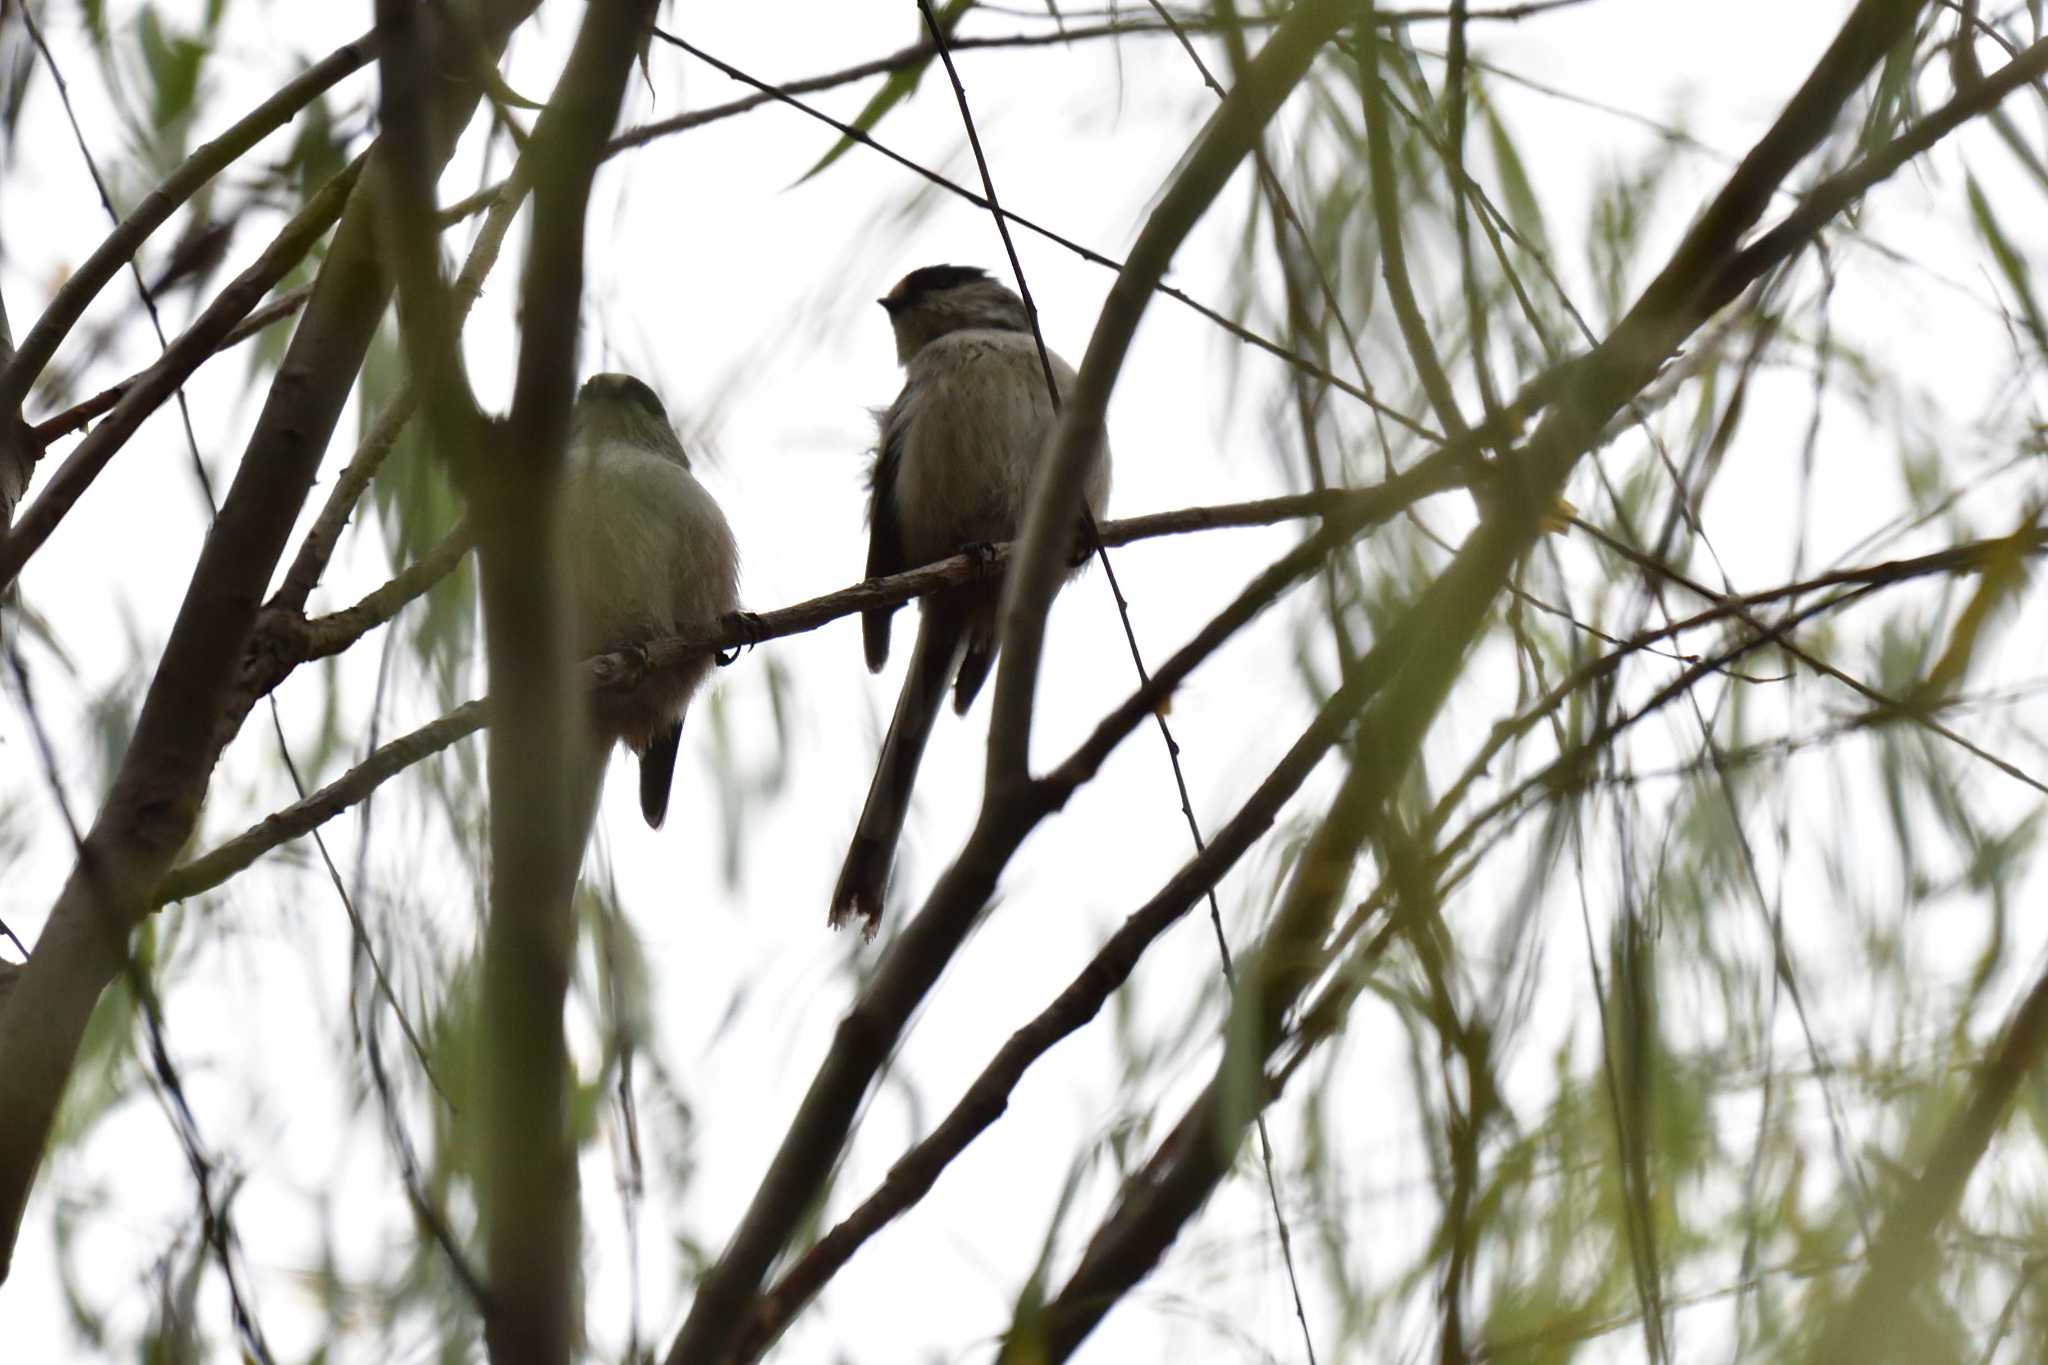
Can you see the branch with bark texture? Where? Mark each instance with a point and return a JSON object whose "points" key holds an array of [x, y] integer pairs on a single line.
{"points": [[21, 370], [625, 670], [531, 1226], [1153, 1207], [161, 779]]}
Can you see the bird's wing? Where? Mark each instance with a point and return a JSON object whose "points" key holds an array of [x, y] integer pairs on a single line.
{"points": [[885, 528]]}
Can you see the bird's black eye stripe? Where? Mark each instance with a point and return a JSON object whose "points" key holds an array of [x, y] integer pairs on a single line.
{"points": [[933, 279]]}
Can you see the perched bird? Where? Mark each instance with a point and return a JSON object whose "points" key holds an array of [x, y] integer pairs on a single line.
{"points": [[648, 555], [953, 466]]}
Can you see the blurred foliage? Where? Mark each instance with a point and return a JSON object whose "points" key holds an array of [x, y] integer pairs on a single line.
{"points": [[1685, 986]]}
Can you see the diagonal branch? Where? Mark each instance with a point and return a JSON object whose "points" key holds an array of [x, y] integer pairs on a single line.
{"points": [[1898, 1256], [92, 275], [918, 1169], [162, 777], [1028, 588], [1155, 1205], [148, 390]]}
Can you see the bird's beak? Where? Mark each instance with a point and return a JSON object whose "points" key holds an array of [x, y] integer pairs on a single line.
{"points": [[889, 305]]}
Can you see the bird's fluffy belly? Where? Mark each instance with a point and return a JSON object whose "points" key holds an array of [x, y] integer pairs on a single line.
{"points": [[649, 554], [978, 426]]}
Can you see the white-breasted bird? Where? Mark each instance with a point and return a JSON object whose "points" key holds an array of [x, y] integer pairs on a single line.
{"points": [[649, 555], [953, 467]]}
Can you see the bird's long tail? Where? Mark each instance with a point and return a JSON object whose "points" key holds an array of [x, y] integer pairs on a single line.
{"points": [[865, 875], [657, 774]]}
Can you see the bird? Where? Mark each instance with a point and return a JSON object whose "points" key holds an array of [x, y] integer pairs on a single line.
{"points": [[953, 464], [648, 555]]}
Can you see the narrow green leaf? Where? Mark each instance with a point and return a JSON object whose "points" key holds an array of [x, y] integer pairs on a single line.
{"points": [[893, 92]]}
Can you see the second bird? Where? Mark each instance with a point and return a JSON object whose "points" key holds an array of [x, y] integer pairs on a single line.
{"points": [[953, 468], [649, 555]]}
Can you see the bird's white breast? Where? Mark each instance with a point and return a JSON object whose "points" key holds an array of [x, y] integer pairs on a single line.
{"points": [[649, 551], [976, 426]]}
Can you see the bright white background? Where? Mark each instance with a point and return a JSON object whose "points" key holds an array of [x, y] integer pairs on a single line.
{"points": [[747, 300]]}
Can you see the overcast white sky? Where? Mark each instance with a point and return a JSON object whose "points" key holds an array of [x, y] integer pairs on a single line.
{"points": [[747, 300]]}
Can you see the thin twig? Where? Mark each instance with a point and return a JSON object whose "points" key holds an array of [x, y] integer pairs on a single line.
{"points": [[142, 288], [84, 283], [1088, 254], [1172, 746], [216, 1225]]}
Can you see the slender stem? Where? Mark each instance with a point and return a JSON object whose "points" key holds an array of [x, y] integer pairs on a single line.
{"points": [[92, 275]]}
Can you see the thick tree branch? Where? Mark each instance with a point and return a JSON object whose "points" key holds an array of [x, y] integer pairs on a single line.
{"points": [[531, 1226], [162, 776]]}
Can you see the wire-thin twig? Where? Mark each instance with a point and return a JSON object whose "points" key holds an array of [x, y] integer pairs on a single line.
{"points": [[142, 288], [1123, 611]]}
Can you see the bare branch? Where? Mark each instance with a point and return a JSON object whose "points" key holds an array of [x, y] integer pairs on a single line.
{"points": [[161, 780], [1173, 1186], [1028, 588], [159, 204], [530, 1186], [149, 389]]}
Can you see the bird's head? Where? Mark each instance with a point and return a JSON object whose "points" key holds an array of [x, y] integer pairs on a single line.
{"points": [[927, 304], [618, 407]]}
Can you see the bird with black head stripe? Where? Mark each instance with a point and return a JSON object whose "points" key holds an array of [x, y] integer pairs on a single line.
{"points": [[953, 466]]}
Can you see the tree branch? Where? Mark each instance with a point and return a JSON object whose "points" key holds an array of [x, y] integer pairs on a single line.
{"points": [[626, 670], [913, 1174], [1155, 1205], [85, 283], [162, 776], [148, 390], [531, 1227], [1028, 588]]}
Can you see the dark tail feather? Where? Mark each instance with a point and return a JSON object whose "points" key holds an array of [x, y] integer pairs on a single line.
{"points": [[980, 654], [865, 875], [657, 769]]}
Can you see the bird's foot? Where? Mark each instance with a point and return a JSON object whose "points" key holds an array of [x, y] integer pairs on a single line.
{"points": [[746, 627], [1085, 541], [639, 663], [982, 555]]}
